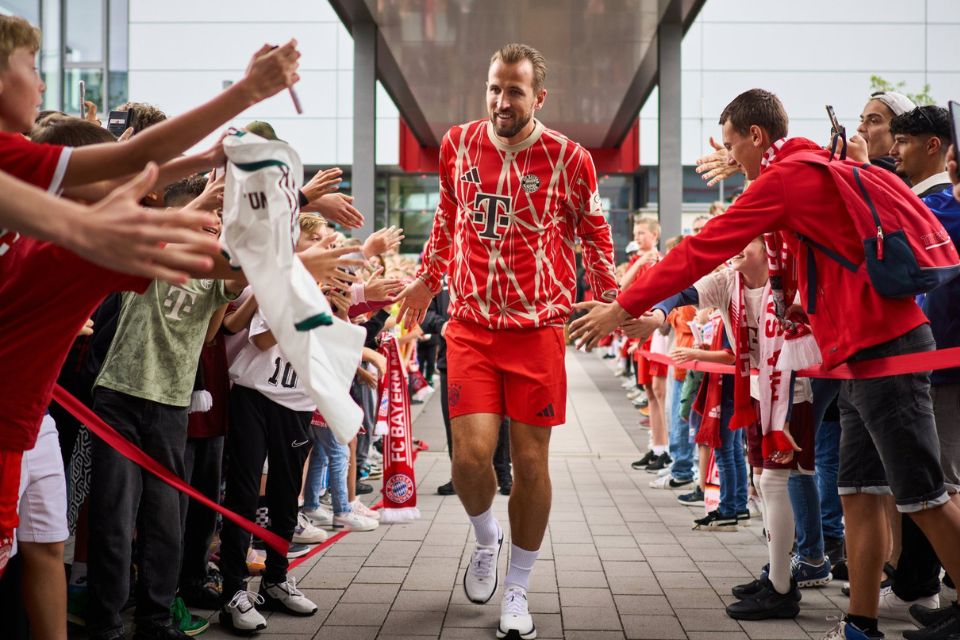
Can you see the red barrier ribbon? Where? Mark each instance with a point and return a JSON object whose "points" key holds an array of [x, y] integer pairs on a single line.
{"points": [[861, 369], [136, 455]]}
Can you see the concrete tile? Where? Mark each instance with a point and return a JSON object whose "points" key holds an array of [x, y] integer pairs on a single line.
{"points": [[362, 593], [645, 605], [411, 600], [591, 618], [421, 623], [706, 620], [584, 597], [351, 614], [652, 627], [381, 575], [581, 579], [671, 563], [329, 632]]}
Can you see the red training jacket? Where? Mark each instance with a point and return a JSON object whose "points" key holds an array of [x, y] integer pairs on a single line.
{"points": [[849, 315]]}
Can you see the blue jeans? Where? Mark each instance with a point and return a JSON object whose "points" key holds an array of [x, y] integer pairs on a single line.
{"points": [[327, 454], [816, 503], [828, 462], [730, 460], [805, 499], [827, 457], [681, 447]]}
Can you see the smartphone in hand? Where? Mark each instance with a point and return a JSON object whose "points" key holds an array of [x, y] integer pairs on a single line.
{"points": [[954, 120], [119, 121], [83, 99], [835, 126]]}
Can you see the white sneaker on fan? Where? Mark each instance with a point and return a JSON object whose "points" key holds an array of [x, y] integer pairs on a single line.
{"points": [[364, 510]]}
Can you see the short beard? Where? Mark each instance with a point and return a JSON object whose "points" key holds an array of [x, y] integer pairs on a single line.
{"points": [[509, 132]]}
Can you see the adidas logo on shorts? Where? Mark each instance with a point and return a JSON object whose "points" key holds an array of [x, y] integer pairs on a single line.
{"points": [[547, 412]]}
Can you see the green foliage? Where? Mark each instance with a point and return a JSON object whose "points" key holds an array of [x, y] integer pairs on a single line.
{"points": [[923, 97]]}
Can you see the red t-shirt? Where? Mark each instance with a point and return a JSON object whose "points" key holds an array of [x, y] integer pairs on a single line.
{"points": [[506, 226], [46, 295], [216, 380]]}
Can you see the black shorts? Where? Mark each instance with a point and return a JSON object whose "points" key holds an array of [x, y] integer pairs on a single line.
{"points": [[888, 442]]}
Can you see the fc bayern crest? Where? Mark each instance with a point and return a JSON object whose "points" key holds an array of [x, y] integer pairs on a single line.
{"points": [[398, 488], [530, 183]]}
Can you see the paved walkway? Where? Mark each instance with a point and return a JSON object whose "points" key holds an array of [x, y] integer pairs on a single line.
{"points": [[619, 560]]}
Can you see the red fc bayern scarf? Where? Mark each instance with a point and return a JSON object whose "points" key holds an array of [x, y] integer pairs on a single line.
{"points": [[399, 484]]}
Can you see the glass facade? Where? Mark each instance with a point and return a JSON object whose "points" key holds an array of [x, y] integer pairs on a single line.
{"points": [[82, 40]]}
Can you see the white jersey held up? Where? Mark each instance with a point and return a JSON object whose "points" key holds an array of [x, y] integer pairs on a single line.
{"points": [[260, 232]]}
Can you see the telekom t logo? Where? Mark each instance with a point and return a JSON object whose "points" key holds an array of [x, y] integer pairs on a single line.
{"points": [[491, 217], [179, 300]]}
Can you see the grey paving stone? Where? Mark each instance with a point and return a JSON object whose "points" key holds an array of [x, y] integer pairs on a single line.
{"points": [[706, 620], [647, 605], [361, 593], [584, 597], [325, 580], [330, 632], [543, 602], [671, 563], [412, 623], [581, 579], [774, 630], [652, 628], [702, 598], [591, 618], [352, 614], [629, 585], [411, 600], [578, 563], [381, 575]]}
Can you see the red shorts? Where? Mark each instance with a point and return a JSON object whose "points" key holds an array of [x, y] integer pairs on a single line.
{"points": [[514, 372], [801, 428], [10, 468], [647, 370]]}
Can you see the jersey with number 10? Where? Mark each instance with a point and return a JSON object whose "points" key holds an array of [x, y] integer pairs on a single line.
{"points": [[506, 226]]}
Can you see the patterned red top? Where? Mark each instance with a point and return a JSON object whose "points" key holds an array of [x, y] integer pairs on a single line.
{"points": [[506, 225]]}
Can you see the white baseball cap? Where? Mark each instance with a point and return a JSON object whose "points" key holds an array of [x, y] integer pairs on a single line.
{"points": [[896, 102]]}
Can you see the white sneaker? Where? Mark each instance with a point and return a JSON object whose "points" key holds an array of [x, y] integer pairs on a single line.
{"points": [[354, 522], [634, 393], [321, 516], [423, 394], [892, 607], [241, 616], [286, 598], [629, 383], [480, 579], [306, 533], [364, 510], [515, 619]]}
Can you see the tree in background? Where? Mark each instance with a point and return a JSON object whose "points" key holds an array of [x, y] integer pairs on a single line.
{"points": [[879, 83]]}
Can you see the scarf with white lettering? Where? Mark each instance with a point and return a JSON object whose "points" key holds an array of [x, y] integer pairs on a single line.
{"points": [[399, 484], [744, 414]]}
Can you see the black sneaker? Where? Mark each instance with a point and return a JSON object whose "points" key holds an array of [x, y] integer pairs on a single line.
{"points": [[928, 617], [743, 518], [767, 604], [446, 489], [642, 463], [673, 483], [751, 588], [153, 631], [296, 550], [947, 629], [506, 485], [660, 463], [714, 521], [363, 488], [199, 596], [692, 499], [833, 549]]}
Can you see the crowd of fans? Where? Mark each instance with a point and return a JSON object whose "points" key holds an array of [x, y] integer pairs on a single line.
{"points": [[173, 358], [722, 465]]}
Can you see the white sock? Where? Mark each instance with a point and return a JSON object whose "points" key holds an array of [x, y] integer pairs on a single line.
{"points": [[659, 449], [521, 565], [486, 528], [780, 524]]}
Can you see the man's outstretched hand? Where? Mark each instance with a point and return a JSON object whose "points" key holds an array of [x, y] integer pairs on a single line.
{"points": [[119, 234], [717, 165], [599, 322], [415, 298]]}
